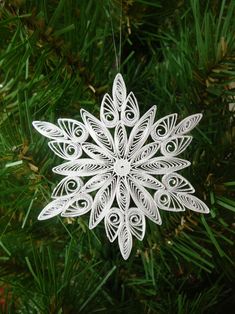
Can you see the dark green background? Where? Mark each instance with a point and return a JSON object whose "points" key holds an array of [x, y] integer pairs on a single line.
{"points": [[57, 57]]}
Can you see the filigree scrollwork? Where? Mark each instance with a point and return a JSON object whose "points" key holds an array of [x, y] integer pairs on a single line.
{"points": [[120, 160]]}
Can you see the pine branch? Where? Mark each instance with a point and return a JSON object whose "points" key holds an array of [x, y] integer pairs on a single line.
{"points": [[178, 55]]}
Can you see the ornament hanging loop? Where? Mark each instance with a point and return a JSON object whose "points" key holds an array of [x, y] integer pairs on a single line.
{"points": [[118, 51]]}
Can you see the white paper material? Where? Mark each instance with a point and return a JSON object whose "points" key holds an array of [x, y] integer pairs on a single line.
{"points": [[122, 168]]}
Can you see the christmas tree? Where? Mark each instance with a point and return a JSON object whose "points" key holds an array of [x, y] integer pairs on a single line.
{"points": [[57, 57]]}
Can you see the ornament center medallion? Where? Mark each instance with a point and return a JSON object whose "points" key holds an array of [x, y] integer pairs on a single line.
{"points": [[122, 167]]}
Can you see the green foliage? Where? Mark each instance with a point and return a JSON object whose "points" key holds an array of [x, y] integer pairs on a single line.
{"points": [[59, 56]]}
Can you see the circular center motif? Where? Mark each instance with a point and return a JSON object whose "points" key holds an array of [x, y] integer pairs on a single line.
{"points": [[122, 167]]}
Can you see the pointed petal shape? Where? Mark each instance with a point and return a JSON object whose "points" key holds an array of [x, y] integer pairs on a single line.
{"points": [[176, 183], [49, 130], [147, 180], [52, 209], [102, 202], [136, 223], [187, 124], [98, 131], [96, 182], [130, 111], [143, 200], [123, 194], [168, 201], [164, 127], [74, 129], [144, 153], [120, 139], [82, 168], [96, 152], [67, 187], [109, 114], [66, 150], [175, 145], [119, 91], [125, 241], [113, 223], [163, 165], [194, 203], [140, 132], [78, 205]]}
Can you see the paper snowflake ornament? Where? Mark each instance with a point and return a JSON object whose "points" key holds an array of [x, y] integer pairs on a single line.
{"points": [[121, 168]]}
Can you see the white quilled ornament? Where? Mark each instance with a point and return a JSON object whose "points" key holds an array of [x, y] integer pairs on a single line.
{"points": [[121, 168]]}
